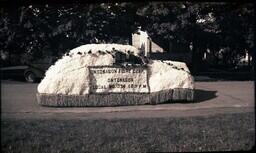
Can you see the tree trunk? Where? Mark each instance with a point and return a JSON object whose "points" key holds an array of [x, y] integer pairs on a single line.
{"points": [[195, 59], [249, 60]]}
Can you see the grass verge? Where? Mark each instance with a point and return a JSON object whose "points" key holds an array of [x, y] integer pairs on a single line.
{"points": [[209, 133]]}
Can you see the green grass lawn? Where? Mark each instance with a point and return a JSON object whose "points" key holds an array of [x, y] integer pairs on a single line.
{"points": [[210, 133]]}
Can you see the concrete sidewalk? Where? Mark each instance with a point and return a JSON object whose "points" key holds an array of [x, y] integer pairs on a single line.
{"points": [[18, 100]]}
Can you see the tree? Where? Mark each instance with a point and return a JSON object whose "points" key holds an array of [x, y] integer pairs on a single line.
{"points": [[31, 32]]}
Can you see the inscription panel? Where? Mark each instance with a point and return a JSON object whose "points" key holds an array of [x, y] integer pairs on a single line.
{"points": [[106, 79]]}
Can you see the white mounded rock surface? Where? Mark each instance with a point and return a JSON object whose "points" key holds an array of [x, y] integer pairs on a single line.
{"points": [[163, 76], [70, 74]]}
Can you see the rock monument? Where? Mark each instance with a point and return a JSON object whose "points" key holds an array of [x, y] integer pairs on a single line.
{"points": [[112, 75]]}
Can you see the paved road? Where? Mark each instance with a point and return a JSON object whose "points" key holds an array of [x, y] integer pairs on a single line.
{"points": [[18, 100]]}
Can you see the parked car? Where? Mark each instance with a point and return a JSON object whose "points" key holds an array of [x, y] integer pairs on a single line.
{"points": [[29, 72]]}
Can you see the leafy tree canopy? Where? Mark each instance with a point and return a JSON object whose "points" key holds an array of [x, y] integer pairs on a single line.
{"points": [[31, 32]]}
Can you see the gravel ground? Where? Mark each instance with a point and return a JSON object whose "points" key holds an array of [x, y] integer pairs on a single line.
{"points": [[208, 133]]}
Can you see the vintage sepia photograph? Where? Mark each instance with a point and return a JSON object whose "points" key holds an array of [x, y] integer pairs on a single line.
{"points": [[127, 77]]}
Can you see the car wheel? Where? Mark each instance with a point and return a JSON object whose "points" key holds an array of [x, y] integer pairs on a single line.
{"points": [[30, 77]]}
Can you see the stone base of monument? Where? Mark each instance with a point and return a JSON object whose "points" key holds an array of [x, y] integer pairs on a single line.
{"points": [[116, 99]]}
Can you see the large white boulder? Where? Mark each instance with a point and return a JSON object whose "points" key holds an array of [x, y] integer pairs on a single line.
{"points": [[70, 74]]}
